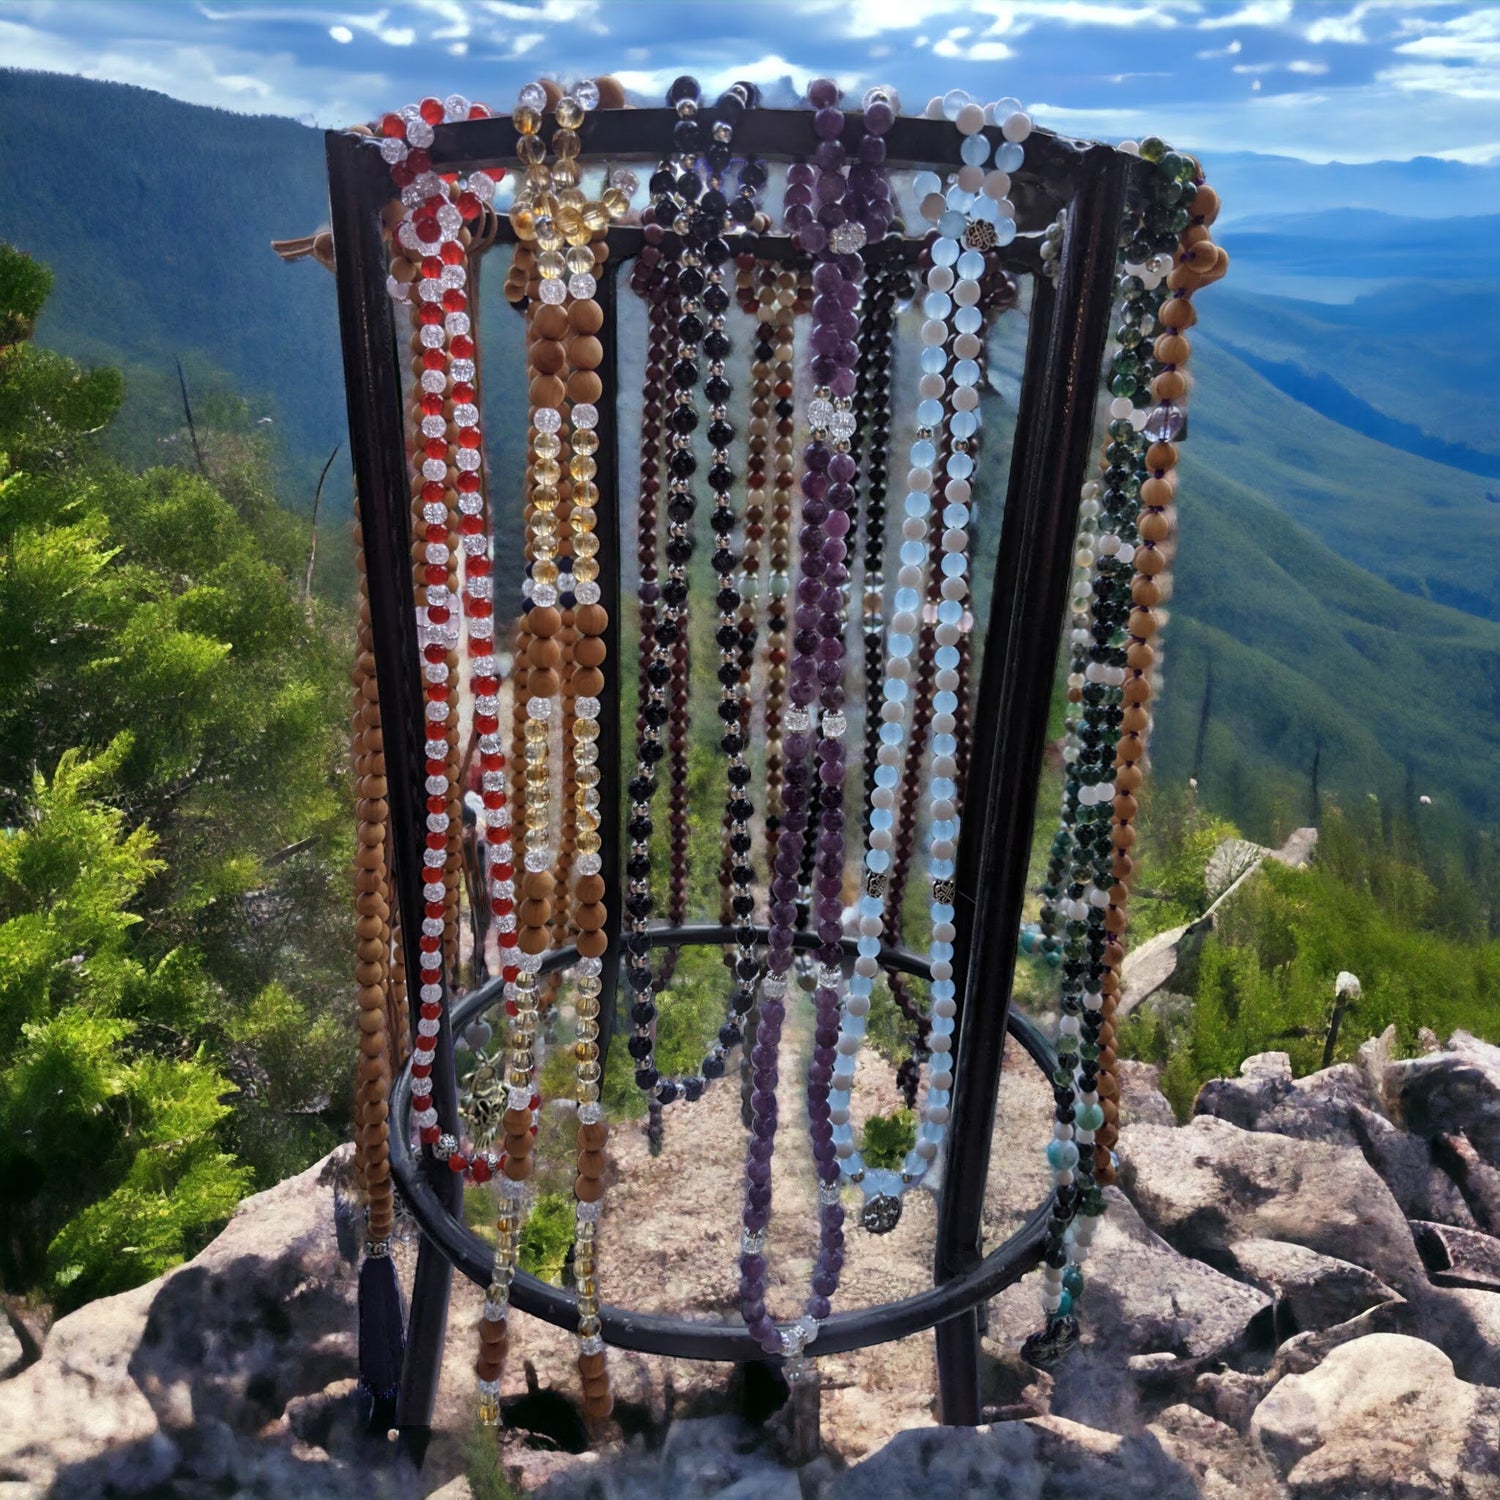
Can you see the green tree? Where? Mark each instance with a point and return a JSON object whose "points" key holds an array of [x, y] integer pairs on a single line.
{"points": [[173, 845]]}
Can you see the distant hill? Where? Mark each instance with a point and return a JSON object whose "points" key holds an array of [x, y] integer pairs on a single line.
{"points": [[156, 218], [1424, 187], [1339, 589], [1420, 353]]}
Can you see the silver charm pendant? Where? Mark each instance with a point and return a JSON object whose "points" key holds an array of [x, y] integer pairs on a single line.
{"points": [[1052, 1344], [881, 1213]]}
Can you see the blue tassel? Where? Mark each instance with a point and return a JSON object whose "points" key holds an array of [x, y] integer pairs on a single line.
{"points": [[382, 1336]]}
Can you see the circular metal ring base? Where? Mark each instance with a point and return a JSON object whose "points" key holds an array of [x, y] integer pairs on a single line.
{"points": [[652, 1333]]}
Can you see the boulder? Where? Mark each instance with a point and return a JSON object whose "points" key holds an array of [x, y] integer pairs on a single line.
{"points": [[12, 1350], [1141, 1099], [1209, 1183], [1311, 1291], [1266, 1097], [1148, 1314], [1456, 1090], [1384, 1415], [1459, 1257], [1046, 1458], [1342, 1105], [194, 1381], [1222, 1464]]}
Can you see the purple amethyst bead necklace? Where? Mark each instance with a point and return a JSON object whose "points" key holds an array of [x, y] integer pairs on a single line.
{"points": [[834, 206]]}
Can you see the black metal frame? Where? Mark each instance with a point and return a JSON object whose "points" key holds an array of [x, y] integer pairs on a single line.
{"points": [[1068, 331]]}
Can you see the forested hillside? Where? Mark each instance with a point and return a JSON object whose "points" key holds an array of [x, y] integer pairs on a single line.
{"points": [[1333, 578]]}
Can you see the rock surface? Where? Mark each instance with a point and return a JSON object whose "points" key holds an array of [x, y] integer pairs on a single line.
{"points": [[1258, 1322], [1311, 1291], [1210, 1183], [1383, 1415]]}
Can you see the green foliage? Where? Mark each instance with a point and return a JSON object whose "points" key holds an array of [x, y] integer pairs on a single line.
{"points": [[1266, 979], [888, 1138], [482, 1466], [547, 1237], [170, 714], [24, 285], [692, 1010], [1177, 836], [110, 1163]]}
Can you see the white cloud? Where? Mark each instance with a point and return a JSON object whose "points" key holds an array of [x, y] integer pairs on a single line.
{"points": [[1470, 38], [1256, 13], [1374, 122], [1266, 67], [583, 13], [1012, 18], [1457, 81], [1302, 65], [1476, 155], [341, 34], [977, 51], [1232, 50]]}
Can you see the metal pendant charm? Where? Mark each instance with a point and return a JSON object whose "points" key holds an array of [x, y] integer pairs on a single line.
{"points": [[881, 1213], [1052, 1344]]}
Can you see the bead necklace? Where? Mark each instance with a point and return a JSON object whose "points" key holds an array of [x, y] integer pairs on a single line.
{"points": [[699, 219], [887, 283], [556, 213], [429, 254], [954, 329], [784, 508], [853, 209], [1117, 563]]}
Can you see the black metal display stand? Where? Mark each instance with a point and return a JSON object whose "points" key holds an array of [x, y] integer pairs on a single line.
{"points": [[1069, 324]]}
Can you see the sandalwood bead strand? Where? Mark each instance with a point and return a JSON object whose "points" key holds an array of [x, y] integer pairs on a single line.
{"points": [[1197, 263], [372, 933]]}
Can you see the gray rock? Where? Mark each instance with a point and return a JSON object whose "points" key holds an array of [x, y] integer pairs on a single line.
{"points": [[1146, 1311], [1384, 1415], [1223, 1465], [1459, 1257], [1231, 1396], [1412, 1169], [1304, 1351], [1452, 1091], [1473, 1180], [12, 1350], [184, 1384], [1141, 1099], [1342, 1105], [1045, 1458], [1312, 1291], [1266, 1097], [721, 1455], [1210, 1183]]}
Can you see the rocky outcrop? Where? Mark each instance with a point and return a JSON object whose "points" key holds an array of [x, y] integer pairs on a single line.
{"points": [[217, 1379], [1383, 1416], [1265, 1318], [1208, 1184]]}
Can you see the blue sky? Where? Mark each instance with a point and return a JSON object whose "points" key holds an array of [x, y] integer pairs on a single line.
{"points": [[1377, 79]]}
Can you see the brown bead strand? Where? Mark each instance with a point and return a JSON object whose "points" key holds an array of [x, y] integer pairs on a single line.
{"points": [[372, 933], [585, 385], [1197, 263]]}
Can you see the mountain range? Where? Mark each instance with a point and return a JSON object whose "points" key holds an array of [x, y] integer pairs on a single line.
{"points": [[1340, 481]]}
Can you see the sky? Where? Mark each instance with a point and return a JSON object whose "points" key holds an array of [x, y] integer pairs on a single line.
{"points": [[1345, 80]]}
